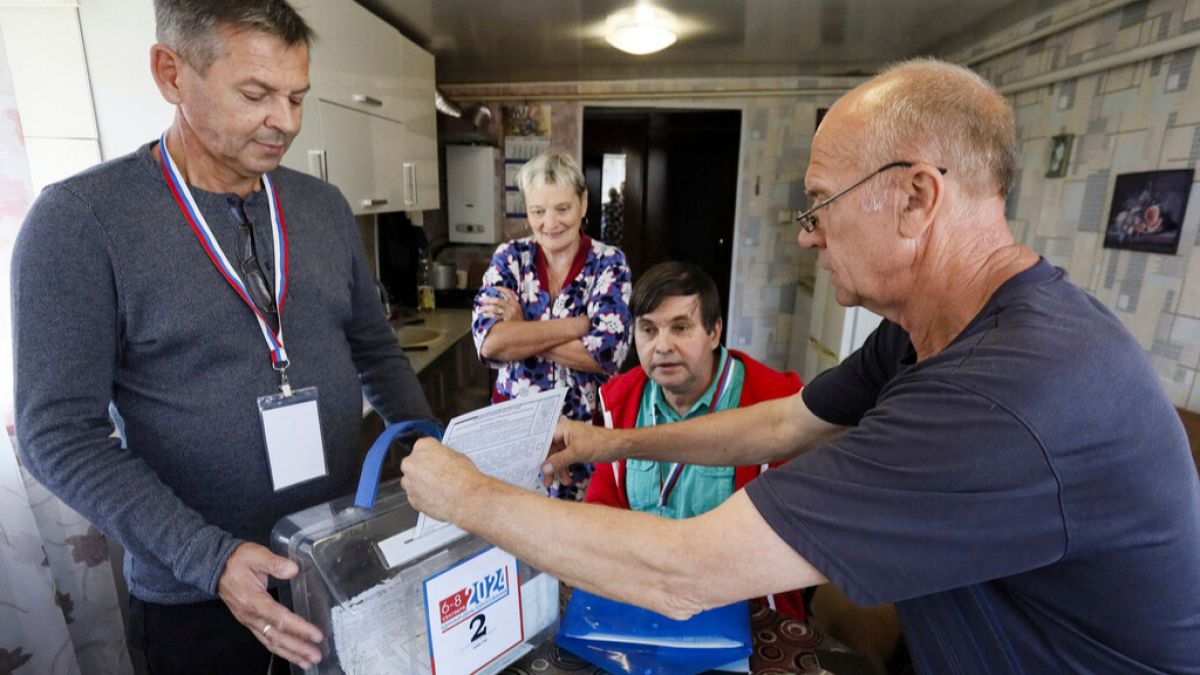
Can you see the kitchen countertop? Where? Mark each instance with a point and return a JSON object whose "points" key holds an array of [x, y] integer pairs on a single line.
{"points": [[453, 324]]}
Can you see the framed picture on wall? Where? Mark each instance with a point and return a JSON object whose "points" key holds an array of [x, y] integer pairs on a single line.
{"points": [[1148, 209], [1060, 155]]}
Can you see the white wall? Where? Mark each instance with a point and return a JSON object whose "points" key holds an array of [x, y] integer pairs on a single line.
{"points": [[117, 35], [81, 74], [15, 198], [49, 74]]}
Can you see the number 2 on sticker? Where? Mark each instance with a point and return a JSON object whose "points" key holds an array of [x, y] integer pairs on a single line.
{"points": [[478, 624]]}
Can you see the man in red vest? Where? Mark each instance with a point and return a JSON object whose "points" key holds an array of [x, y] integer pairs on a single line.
{"points": [[685, 373]]}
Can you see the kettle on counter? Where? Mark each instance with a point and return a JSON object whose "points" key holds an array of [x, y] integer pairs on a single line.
{"points": [[445, 276]]}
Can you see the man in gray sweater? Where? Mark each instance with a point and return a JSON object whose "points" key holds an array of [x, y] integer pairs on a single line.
{"points": [[194, 293]]}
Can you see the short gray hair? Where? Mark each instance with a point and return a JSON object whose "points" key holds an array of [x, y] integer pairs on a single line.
{"points": [[557, 168], [191, 27], [929, 110]]}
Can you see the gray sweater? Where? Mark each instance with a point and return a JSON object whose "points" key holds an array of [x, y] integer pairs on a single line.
{"points": [[115, 302]]}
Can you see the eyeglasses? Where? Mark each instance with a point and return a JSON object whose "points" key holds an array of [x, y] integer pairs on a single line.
{"points": [[809, 223], [252, 274]]}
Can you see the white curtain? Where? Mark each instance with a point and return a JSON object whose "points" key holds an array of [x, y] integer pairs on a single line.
{"points": [[58, 598]]}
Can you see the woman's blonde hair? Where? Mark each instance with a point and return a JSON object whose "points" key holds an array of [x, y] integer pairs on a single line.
{"points": [[556, 168]]}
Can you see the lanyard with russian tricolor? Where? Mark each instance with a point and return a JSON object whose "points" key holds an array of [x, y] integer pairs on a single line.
{"points": [[668, 485], [195, 219]]}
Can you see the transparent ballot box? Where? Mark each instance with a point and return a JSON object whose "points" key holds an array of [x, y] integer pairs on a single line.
{"points": [[445, 603]]}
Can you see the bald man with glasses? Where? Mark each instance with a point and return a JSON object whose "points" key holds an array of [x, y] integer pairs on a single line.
{"points": [[999, 459]]}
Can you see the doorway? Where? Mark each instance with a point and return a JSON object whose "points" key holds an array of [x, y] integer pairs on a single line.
{"points": [[679, 170]]}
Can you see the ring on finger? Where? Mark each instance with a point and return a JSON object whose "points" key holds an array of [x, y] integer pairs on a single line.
{"points": [[266, 629]]}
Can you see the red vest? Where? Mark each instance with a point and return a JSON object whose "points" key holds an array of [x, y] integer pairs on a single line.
{"points": [[620, 399]]}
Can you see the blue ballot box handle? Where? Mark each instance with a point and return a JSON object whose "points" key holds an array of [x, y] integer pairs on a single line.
{"points": [[368, 482]]}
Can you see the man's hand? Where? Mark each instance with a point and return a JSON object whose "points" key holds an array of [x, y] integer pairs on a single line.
{"points": [[243, 587], [435, 478], [576, 442]]}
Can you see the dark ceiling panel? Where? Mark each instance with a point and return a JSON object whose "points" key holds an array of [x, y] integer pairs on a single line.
{"points": [[544, 40]]}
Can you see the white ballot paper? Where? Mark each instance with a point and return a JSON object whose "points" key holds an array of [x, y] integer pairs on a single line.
{"points": [[508, 441]]}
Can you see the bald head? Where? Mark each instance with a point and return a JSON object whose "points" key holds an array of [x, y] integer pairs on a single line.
{"points": [[937, 112]]}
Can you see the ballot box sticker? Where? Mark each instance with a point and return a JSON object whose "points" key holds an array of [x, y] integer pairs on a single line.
{"points": [[473, 612]]}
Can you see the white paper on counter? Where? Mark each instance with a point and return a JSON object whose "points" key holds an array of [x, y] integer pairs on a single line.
{"points": [[508, 441]]}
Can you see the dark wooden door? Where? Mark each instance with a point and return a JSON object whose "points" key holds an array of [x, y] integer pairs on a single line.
{"points": [[618, 133], [680, 185]]}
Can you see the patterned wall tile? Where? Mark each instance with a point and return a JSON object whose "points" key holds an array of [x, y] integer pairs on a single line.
{"points": [[1177, 380], [1085, 268], [1095, 206], [1110, 269], [1185, 332], [1131, 284], [1014, 196], [1177, 144], [1133, 14], [1164, 27], [1189, 299], [1180, 71], [1139, 116]]}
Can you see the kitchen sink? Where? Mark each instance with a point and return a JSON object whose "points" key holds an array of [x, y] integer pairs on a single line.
{"points": [[417, 336]]}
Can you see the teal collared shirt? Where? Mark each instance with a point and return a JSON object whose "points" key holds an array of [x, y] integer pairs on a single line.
{"points": [[699, 488]]}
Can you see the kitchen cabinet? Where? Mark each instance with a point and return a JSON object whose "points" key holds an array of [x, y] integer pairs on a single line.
{"points": [[359, 156], [420, 148], [355, 60], [456, 382], [375, 136]]}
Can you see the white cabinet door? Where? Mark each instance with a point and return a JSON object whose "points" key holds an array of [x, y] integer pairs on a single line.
{"points": [[363, 158], [355, 59], [417, 80], [361, 64], [307, 152]]}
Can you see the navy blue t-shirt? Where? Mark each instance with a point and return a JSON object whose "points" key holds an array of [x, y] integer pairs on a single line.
{"points": [[1026, 497]]}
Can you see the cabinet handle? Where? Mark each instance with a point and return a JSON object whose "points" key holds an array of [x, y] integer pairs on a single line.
{"points": [[410, 184], [318, 164], [373, 202], [366, 100]]}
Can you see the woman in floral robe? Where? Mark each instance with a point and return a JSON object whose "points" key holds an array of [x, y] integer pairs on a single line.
{"points": [[554, 307]]}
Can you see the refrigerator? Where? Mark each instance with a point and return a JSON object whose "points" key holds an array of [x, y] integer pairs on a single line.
{"points": [[827, 332]]}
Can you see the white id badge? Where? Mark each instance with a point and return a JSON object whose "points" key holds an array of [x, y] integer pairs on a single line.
{"points": [[292, 433]]}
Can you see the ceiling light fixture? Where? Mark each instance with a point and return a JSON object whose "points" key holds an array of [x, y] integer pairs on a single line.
{"points": [[641, 29]]}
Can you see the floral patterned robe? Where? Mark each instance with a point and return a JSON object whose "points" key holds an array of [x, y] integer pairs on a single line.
{"points": [[598, 286]]}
